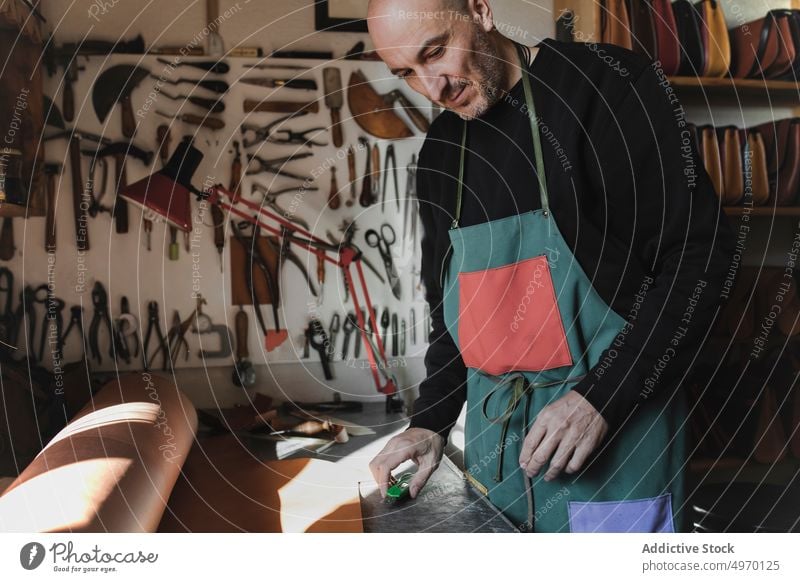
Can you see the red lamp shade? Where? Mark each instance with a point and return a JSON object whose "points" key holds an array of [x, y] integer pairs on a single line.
{"points": [[167, 193]]}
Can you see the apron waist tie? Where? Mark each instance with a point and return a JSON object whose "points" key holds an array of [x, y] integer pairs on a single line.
{"points": [[521, 388]]}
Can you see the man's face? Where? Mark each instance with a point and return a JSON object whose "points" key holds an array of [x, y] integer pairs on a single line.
{"points": [[444, 55]]}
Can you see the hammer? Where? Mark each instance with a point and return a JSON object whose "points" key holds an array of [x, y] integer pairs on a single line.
{"points": [[119, 151], [51, 170]]}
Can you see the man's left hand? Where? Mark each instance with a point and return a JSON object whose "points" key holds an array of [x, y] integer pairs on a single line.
{"points": [[567, 430]]}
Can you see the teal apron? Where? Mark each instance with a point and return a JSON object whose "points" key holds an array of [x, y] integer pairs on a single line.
{"points": [[529, 324]]}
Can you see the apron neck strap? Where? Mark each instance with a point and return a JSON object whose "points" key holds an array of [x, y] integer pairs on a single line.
{"points": [[537, 145]]}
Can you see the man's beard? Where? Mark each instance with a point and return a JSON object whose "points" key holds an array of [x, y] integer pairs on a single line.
{"points": [[491, 75]]}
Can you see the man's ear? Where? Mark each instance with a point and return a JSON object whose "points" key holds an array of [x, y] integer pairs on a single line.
{"points": [[482, 14]]}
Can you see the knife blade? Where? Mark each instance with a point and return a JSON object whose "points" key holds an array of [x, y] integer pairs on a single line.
{"points": [[305, 84], [334, 99]]}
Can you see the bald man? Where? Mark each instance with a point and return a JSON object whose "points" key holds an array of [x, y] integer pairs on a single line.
{"points": [[573, 257]]}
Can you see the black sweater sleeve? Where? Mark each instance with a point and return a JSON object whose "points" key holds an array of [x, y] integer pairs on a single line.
{"points": [[443, 392], [660, 199]]}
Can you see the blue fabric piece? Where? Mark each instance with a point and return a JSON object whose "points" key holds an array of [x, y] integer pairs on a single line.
{"points": [[653, 515]]}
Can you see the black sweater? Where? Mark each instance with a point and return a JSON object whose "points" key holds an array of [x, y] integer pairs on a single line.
{"points": [[631, 198]]}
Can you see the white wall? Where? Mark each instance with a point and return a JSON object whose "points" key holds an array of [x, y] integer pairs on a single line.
{"points": [[120, 261]]}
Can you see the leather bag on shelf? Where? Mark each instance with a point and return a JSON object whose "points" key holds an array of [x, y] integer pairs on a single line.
{"points": [[668, 50], [689, 22], [733, 172], [764, 47], [711, 158], [615, 27], [643, 32], [755, 160], [782, 142], [717, 45]]}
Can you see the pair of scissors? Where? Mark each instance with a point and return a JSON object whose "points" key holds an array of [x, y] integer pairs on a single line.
{"points": [[383, 241]]}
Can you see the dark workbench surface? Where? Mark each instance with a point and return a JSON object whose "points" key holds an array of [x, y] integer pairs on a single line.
{"points": [[447, 503]]}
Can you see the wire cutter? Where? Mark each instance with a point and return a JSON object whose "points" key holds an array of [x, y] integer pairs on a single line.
{"points": [[100, 302], [270, 133], [275, 165], [176, 336], [76, 321]]}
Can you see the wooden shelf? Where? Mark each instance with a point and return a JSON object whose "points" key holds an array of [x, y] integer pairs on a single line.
{"points": [[762, 210], [737, 91]]}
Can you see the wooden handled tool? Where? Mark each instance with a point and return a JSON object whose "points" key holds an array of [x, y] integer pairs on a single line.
{"points": [[212, 123], [368, 195], [253, 105], [7, 247], [351, 171], [334, 200], [314, 427], [218, 218], [80, 210], [51, 171], [243, 374], [164, 139], [376, 171], [236, 171], [120, 206], [334, 99]]}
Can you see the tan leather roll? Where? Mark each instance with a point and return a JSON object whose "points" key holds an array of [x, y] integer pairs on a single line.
{"points": [[718, 46], [711, 159], [112, 468]]}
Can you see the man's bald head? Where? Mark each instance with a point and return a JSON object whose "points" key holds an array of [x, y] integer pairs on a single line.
{"points": [[447, 50]]}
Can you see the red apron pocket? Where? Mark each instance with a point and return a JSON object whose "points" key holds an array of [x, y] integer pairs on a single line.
{"points": [[509, 319]]}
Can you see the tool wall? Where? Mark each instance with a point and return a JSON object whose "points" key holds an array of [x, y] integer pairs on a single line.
{"points": [[162, 273]]}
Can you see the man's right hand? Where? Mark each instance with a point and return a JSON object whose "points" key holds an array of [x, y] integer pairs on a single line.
{"points": [[421, 445]]}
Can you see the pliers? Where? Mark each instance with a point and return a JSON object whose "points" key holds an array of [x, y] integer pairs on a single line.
{"points": [[153, 324], [271, 200], [269, 133], [254, 257], [275, 165], [176, 337], [100, 302], [76, 321], [125, 326], [284, 249]]}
